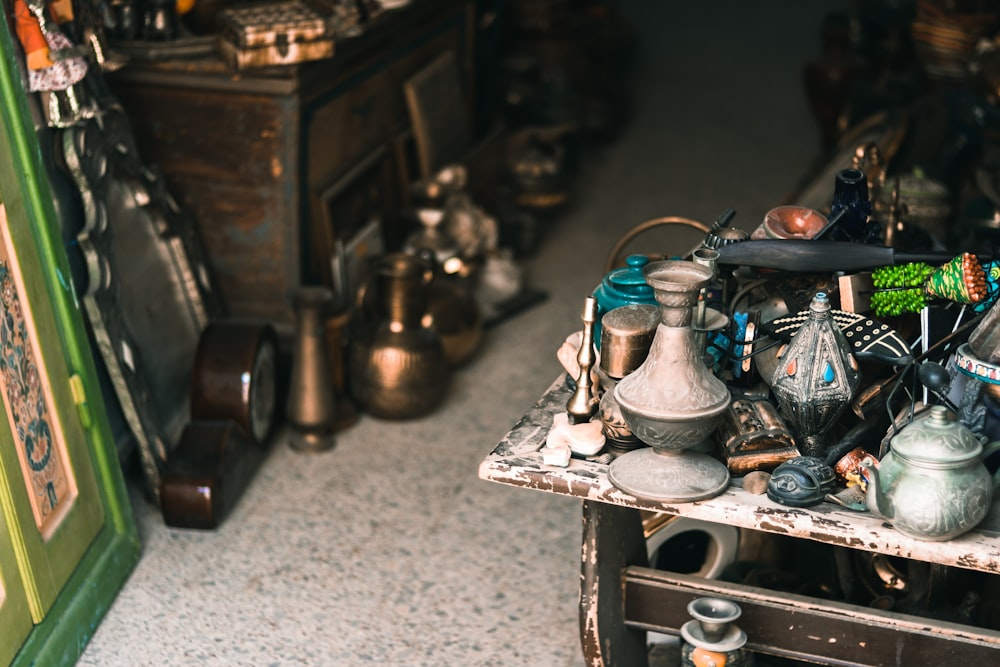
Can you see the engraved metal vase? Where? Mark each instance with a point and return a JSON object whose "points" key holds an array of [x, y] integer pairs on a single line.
{"points": [[672, 402], [397, 367]]}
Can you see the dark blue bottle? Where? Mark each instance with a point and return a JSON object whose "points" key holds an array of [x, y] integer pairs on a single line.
{"points": [[850, 194]]}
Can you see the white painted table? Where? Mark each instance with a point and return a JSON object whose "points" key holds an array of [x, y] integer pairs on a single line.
{"points": [[621, 596]]}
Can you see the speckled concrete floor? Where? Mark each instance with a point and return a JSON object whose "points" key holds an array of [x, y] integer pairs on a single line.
{"points": [[388, 549]]}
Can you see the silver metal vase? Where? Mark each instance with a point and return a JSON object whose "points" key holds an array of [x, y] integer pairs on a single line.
{"points": [[672, 402]]}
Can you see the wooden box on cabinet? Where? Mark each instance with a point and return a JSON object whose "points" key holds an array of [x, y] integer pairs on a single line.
{"points": [[67, 537], [250, 154]]}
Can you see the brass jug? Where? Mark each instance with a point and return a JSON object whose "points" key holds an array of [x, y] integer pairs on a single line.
{"points": [[397, 366]]}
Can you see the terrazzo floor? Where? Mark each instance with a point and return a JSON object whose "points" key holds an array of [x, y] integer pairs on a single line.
{"points": [[388, 549]]}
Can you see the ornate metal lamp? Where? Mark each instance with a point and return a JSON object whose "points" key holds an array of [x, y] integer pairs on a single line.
{"points": [[816, 378]]}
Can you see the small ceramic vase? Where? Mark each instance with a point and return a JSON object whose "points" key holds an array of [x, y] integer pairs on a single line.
{"points": [[454, 313], [311, 408], [850, 194], [711, 638]]}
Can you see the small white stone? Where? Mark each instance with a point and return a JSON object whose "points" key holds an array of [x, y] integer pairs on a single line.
{"points": [[556, 456]]}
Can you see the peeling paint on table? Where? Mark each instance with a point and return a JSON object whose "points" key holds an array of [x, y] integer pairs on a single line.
{"points": [[517, 461]]}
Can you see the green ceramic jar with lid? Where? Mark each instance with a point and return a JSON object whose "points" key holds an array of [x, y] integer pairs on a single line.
{"points": [[621, 287]]}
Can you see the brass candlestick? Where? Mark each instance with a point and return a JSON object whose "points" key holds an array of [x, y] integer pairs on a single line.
{"points": [[582, 405]]}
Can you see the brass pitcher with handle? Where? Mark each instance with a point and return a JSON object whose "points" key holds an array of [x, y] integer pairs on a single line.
{"points": [[397, 365]]}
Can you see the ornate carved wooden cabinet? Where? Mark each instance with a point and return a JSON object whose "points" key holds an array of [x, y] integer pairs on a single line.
{"points": [[67, 538], [258, 156]]}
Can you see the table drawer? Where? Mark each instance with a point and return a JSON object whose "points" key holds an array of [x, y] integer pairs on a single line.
{"points": [[806, 628]]}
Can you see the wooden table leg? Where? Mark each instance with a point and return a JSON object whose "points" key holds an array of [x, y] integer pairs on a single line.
{"points": [[612, 540]]}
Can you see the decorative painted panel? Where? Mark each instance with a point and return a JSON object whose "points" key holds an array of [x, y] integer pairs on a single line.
{"points": [[48, 487], [27, 397]]}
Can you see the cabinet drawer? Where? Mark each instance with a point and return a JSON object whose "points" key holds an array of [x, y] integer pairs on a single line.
{"points": [[342, 129], [807, 628]]}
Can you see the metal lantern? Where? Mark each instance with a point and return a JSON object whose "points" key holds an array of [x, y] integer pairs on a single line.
{"points": [[816, 377]]}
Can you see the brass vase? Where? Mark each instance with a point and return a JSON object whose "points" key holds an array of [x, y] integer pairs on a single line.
{"points": [[397, 367], [311, 408]]}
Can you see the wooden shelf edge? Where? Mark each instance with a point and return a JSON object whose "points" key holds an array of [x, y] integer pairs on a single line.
{"points": [[516, 461]]}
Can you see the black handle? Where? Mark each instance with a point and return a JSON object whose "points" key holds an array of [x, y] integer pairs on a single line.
{"points": [[819, 256]]}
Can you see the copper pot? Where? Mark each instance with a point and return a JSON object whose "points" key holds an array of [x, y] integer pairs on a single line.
{"points": [[397, 365]]}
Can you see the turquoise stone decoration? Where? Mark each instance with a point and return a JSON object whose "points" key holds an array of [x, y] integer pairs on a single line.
{"points": [[816, 378]]}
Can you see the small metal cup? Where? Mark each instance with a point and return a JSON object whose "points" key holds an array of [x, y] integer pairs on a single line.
{"points": [[714, 615], [626, 334]]}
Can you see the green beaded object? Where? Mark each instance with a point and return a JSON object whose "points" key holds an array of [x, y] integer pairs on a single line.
{"points": [[906, 288], [900, 289]]}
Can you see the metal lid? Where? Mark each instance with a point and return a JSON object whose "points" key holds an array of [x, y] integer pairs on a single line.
{"points": [[626, 334], [630, 279], [937, 439]]}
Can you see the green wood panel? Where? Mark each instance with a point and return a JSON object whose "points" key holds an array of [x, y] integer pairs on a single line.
{"points": [[15, 615], [44, 460], [77, 568]]}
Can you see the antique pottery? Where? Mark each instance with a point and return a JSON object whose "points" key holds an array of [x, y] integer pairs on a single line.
{"points": [[851, 206], [627, 334], [801, 481], [816, 378], [984, 341], [791, 222], [621, 287]]}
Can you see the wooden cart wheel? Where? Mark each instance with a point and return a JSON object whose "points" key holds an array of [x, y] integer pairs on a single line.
{"points": [[614, 257]]}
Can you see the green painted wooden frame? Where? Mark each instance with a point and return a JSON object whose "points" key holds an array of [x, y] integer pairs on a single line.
{"points": [[60, 637]]}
